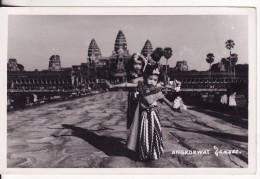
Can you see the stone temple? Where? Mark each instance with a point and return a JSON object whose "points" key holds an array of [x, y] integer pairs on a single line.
{"points": [[92, 73], [113, 67]]}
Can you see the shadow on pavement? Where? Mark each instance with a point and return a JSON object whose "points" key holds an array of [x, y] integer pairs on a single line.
{"points": [[217, 134], [111, 146], [234, 119]]}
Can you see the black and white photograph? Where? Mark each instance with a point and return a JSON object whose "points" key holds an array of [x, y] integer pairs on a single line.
{"points": [[133, 90]]}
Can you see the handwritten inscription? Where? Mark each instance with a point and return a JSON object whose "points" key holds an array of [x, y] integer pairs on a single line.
{"points": [[215, 150]]}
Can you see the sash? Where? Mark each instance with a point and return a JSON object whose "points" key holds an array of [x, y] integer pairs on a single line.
{"points": [[133, 134]]}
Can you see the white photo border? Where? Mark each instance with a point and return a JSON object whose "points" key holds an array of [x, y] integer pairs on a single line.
{"points": [[250, 12]]}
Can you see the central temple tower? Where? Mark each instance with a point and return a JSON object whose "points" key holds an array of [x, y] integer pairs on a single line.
{"points": [[147, 51], [120, 44], [119, 58], [94, 53]]}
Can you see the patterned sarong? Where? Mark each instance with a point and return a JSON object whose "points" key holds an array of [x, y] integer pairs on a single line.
{"points": [[150, 140]]}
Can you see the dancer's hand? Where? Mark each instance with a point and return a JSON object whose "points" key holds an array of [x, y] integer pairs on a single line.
{"points": [[109, 84], [175, 109], [136, 80]]}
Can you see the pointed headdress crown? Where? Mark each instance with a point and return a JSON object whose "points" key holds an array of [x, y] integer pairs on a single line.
{"points": [[152, 70]]}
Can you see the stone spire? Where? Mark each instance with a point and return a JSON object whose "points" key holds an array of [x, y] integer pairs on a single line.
{"points": [[12, 65], [94, 52], [147, 49], [120, 43], [54, 63]]}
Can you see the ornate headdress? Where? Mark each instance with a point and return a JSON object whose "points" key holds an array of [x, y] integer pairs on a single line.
{"points": [[151, 70], [138, 57], [156, 71]]}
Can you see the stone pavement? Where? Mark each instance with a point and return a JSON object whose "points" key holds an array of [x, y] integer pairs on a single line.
{"points": [[91, 132]]}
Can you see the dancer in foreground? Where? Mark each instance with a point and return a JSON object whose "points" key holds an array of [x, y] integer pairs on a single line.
{"points": [[145, 137]]}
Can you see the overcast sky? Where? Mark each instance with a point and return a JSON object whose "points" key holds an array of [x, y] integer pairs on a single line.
{"points": [[32, 39]]}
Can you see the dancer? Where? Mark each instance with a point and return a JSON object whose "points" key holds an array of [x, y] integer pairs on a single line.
{"points": [[145, 137], [135, 69]]}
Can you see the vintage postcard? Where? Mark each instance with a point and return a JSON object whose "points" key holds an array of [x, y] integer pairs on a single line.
{"points": [[128, 90]]}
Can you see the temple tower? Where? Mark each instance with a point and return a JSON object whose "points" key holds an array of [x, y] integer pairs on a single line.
{"points": [[147, 50], [120, 44], [54, 63], [181, 66], [94, 53], [12, 65], [119, 58]]}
